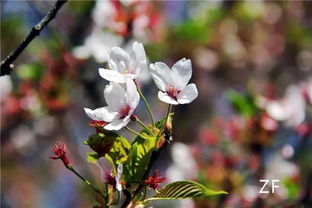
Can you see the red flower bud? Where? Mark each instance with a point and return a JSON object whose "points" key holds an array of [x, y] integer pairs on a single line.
{"points": [[133, 117], [59, 149], [154, 181]]}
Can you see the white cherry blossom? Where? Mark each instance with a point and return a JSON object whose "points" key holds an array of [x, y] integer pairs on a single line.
{"points": [[173, 83], [97, 45], [124, 65], [122, 100]]}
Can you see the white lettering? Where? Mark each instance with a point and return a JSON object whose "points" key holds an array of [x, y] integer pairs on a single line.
{"points": [[262, 189]]}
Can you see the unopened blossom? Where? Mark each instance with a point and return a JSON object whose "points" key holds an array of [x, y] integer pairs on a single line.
{"points": [[107, 176], [154, 181], [122, 100], [59, 149], [124, 65], [173, 83]]}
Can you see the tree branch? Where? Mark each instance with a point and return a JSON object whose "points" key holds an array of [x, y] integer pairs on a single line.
{"points": [[6, 64]]}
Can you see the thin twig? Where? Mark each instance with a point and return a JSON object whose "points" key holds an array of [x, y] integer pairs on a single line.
{"points": [[6, 64], [86, 181]]}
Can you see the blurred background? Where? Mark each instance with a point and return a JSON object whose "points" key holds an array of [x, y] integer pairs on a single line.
{"points": [[252, 64]]}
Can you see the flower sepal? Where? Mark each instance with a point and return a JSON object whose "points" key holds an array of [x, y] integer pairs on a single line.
{"points": [[154, 181], [101, 143]]}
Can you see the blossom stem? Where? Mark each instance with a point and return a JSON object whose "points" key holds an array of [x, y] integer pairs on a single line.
{"points": [[146, 104], [135, 132], [69, 167], [143, 125]]}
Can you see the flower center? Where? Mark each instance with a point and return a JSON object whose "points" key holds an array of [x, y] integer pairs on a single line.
{"points": [[172, 92], [124, 111]]}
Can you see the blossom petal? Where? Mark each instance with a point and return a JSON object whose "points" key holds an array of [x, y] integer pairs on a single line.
{"points": [[121, 59], [130, 76], [112, 65], [188, 94], [118, 177], [101, 114], [139, 51], [138, 58], [111, 75], [117, 124], [115, 95], [277, 110], [182, 73], [161, 75], [133, 96], [81, 52], [166, 98], [139, 68], [105, 167]]}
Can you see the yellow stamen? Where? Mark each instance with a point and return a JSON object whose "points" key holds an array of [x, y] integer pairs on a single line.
{"points": [[171, 90]]}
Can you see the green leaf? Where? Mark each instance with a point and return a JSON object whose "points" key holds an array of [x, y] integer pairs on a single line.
{"points": [[119, 151], [140, 154], [183, 190], [243, 104], [101, 143], [30, 71], [92, 157], [293, 189], [109, 144]]}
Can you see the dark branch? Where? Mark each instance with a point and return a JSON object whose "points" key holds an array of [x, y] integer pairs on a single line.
{"points": [[6, 64]]}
